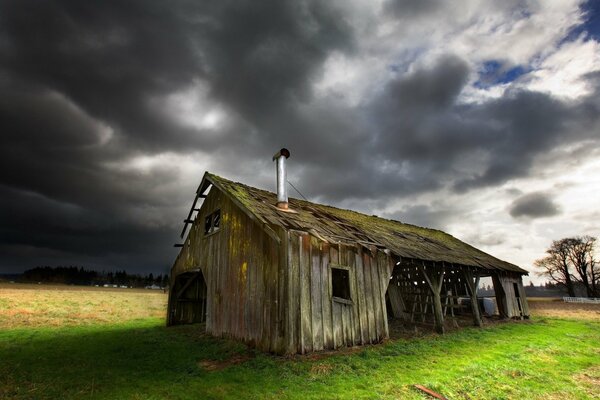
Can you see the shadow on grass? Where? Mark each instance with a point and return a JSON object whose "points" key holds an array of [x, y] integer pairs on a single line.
{"points": [[106, 361]]}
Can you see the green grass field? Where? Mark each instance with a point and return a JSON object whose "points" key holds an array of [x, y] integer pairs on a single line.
{"points": [[60, 343]]}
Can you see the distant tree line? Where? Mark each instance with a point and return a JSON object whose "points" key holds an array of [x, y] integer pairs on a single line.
{"points": [[571, 263], [80, 276]]}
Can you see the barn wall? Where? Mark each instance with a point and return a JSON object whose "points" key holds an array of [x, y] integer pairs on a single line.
{"points": [[507, 299], [316, 321], [240, 263]]}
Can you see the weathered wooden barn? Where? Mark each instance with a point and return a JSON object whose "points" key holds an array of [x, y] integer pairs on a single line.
{"points": [[291, 276]]}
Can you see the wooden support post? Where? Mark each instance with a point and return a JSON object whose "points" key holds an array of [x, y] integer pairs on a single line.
{"points": [[435, 281], [468, 274]]}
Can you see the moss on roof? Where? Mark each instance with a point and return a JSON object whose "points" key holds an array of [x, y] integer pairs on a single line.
{"points": [[339, 225]]}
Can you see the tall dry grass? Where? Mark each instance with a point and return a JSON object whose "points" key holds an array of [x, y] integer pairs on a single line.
{"points": [[59, 305]]}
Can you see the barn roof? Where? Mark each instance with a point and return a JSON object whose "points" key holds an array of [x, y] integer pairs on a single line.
{"points": [[338, 225]]}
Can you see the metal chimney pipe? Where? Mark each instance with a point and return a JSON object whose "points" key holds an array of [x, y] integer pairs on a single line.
{"points": [[282, 196]]}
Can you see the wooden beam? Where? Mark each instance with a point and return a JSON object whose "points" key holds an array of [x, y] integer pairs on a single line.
{"points": [[187, 285], [189, 216], [468, 274], [435, 284]]}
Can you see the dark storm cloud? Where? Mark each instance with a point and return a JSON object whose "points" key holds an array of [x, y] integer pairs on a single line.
{"points": [[83, 85], [534, 205], [261, 56]]}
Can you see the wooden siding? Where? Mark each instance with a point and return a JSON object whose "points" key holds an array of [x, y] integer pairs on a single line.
{"points": [[510, 304], [241, 267], [318, 321]]}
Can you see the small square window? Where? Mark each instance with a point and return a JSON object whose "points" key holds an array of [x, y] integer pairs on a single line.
{"points": [[340, 283]]}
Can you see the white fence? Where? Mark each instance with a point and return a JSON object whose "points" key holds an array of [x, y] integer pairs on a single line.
{"points": [[592, 300]]}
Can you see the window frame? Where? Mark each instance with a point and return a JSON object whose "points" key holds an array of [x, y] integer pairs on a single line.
{"points": [[350, 271], [213, 229]]}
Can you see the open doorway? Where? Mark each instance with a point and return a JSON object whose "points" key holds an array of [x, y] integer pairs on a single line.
{"points": [[187, 299]]}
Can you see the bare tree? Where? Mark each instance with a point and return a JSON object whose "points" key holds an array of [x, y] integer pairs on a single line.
{"points": [[581, 256], [572, 260], [556, 265]]}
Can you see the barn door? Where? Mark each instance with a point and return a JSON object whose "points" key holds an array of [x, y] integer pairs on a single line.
{"points": [[187, 300]]}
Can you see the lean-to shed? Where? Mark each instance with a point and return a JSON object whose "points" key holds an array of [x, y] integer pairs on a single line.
{"points": [[291, 276]]}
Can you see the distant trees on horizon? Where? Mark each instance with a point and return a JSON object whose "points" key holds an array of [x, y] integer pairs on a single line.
{"points": [[73, 275]]}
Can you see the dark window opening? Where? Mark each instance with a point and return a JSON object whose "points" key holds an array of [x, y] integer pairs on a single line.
{"points": [[207, 224], [340, 283], [212, 222]]}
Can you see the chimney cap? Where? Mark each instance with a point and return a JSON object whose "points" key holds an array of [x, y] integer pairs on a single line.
{"points": [[283, 152]]}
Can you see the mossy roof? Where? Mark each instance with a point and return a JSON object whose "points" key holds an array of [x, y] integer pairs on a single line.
{"points": [[338, 225]]}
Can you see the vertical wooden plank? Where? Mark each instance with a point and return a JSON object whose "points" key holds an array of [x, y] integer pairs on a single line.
{"points": [[383, 266], [282, 265], [349, 339], [289, 330], [355, 324], [334, 255], [360, 297], [342, 254], [326, 300], [305, 298], [270, 261], [376, 290], [316, 295], [337, 324], [372, 323], [344, 329], [294, 292]]}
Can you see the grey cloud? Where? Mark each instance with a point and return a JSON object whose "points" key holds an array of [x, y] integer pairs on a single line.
{"points": [[71, 72], [424, 215], [411, 8], [534, 205]]}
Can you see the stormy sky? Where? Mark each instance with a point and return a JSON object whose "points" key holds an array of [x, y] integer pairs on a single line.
{"points": [[479, 118]]}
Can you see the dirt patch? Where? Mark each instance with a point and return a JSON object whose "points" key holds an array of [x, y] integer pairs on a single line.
{"points": [[591, 379]]}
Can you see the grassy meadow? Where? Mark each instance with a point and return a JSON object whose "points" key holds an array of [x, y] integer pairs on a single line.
{"points": [[95, 343]]}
